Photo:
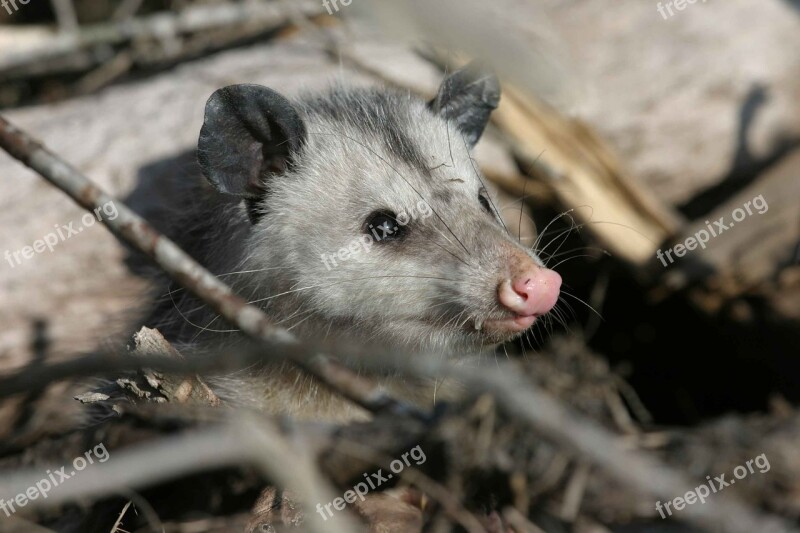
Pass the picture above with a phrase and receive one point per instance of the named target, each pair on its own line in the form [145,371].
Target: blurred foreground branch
[79,49]
[242,441]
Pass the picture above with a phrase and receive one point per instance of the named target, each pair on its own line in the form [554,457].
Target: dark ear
[249,133]
[467,97]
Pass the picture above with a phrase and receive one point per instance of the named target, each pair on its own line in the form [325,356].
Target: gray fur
[365,150]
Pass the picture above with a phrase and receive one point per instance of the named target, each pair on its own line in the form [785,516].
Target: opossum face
[369,212]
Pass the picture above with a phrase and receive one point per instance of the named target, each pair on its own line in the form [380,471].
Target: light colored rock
[669,93]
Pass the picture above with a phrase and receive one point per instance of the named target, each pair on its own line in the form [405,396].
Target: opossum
[359,215]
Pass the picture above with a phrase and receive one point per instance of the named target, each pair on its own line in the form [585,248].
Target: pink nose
[532,293]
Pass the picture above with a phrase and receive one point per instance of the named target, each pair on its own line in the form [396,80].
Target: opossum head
[369,213]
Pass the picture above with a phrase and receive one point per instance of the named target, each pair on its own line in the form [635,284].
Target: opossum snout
[532,292]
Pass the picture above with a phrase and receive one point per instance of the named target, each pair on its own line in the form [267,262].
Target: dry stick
[526,402]
[245,439]
[193,20]
[118,522]
[584,437]
[134,230]
[521,398]
[320,441]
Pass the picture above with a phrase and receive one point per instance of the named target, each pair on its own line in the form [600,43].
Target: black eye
[484,200]
[383,226]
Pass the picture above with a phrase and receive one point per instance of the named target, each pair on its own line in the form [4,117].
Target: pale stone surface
[668,94]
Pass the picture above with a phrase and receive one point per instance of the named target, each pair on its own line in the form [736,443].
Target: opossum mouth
[505,326]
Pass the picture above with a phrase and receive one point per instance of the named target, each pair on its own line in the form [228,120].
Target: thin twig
[118,522]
